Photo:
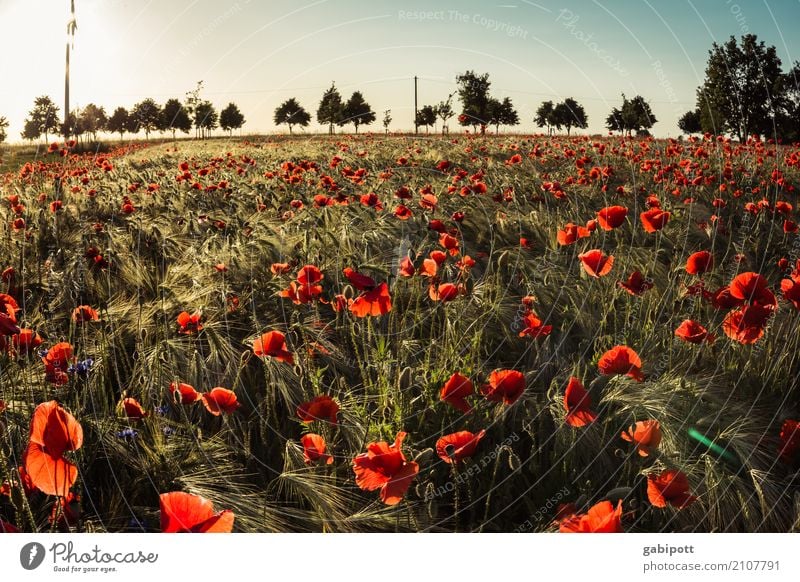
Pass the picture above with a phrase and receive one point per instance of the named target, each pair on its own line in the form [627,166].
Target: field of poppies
[390,333]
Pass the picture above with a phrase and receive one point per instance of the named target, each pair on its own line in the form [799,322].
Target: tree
[119,122]
[231,118]
[192,101]
[445,111]
[473,90]
[744,88]
[426,117]
[73,125]
[331,109]
[357,111]
[569,113]
[291,113]
[502,113]
[45,115]
[387,120]
[31,130]
[93,119]
[147,116]
[634,115]
[3,128]
[690,122]
[545,116]
[174,117]
[205,118]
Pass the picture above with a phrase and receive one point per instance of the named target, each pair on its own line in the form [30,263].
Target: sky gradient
[259,53]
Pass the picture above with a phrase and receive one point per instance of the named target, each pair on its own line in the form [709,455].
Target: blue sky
[258,53]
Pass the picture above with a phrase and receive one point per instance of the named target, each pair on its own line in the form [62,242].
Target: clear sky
[258,53]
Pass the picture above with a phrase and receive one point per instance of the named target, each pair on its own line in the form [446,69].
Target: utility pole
[416,127]
[71,27]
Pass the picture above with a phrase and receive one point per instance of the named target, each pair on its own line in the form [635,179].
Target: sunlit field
[392,333]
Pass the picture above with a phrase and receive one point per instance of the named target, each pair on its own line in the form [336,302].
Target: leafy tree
[120,122]
[73,125]
[387,120]
[3,128]
[175,117]
[45,115]
[545,116]
[291,113]
[690,122]
[357,111]
[331,108]
[192,101]
[93,119]
[205,118]
[231,118]
[426,117]
[147,116]
[502,113]
[788,121]
[445,111]
[473,90]
[569,113]
[744,88]
[31,130]
[635,115]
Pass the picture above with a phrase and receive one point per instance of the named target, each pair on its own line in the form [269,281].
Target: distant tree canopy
[745,91]
[43,117]
[291,113]
[689,122]
[206,118]
[175,117]
[635,115]
[92,120]
[357,111]
[3,128]
[231,118]
[473,90]
[387,120]
[146,116]
[545,116]
[426,117]
[445,111]
[568,114]
[502,113]
[120,122]
[331,109]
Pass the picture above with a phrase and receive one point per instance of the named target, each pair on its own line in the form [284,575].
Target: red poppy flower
[186,513]
[534,327]
[220,400]
[595,263]
[621,360]
[429,268]
[790,440]
[578,404]
[54,431]
[636,284]
[504,386]
[358,280]
[645,435]
[280,268]
[322,408]
[746,324]
[458,446]
[694,333]
[133,409]
[439,257]
[444,292]
[450,243]
[722,299]
[406,268]
[601,518]
[791,291]
[699,263]
[184,393]
[314,449]
[571,233]
[8,315]
[83,314]
[612,217]
[403,212]
[654,219]
[189,324]
[273,344]
[385,467]
[59,355]
[455,392]
[754,288]
[669,487]
[372,303]
[309,275]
